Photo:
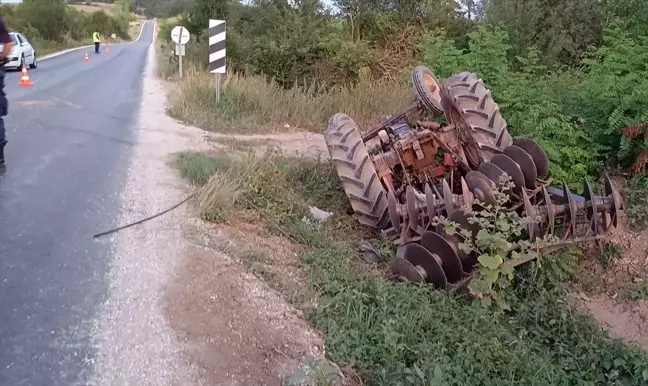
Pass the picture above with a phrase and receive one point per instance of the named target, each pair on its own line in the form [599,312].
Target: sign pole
[180,37]
[180,60]
[218,87]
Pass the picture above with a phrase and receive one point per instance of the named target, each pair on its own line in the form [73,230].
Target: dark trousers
[97,47]
[4,107]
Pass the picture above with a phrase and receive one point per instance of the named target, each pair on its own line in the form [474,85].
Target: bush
[53,24]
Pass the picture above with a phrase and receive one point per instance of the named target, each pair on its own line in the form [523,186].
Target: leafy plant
[498,246]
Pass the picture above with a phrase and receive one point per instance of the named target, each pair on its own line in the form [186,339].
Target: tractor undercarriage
[404,173]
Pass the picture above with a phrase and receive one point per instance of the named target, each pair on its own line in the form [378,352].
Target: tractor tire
[355,168]
[475,110]
[423,79]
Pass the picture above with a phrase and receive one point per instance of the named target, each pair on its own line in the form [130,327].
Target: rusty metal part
[551,212]
[424,266]
[392,208]
[431,202]
[524,160]
[412,210]
[482,187]
[439,247]
[493,172]
[536,152]
[617,201]
[511,168]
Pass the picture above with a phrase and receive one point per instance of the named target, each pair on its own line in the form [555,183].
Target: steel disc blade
[592,210]
[447,198]
[437,245]
[536,152]
[511,168]
[530,211]
[405,271]
[468,261]
[482,187]
[528,167]
[492,171]
[394,217]
[419,256]
[617,201]
[461,218]
[572,209]
[467,195]
[551,211]
[430,202]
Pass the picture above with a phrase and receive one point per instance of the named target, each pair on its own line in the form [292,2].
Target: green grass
[404,334]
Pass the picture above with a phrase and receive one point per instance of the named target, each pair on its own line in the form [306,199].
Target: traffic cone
[24,79]
[107,50]
[86,59]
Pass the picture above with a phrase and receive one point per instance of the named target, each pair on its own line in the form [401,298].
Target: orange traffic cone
[24,79]
[86,59]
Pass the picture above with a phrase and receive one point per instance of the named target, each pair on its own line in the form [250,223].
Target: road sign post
[217,51]
[180,37]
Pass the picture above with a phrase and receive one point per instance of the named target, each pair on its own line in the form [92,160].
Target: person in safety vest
[96,41]
[7,43]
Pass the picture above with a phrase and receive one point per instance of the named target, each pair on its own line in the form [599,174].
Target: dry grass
[252,104]
[95,7]
[218,196]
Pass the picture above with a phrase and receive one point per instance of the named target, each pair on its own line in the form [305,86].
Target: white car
[22,52]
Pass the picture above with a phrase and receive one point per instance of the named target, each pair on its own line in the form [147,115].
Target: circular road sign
[180,35]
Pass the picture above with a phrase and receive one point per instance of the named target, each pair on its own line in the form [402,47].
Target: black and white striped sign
[217,46]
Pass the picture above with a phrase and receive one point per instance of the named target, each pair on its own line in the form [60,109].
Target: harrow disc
[536,152]
[571,210]
[430,202]
[511,168]
[492,171]
[617,201]
[551,212]
[447,197]
[425,267]
[481,186]
[592,210]
[461,218]
[524,160]
[468,261]
[439,247]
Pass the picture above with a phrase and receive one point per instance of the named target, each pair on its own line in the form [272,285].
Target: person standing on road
[96,41]
[5,39]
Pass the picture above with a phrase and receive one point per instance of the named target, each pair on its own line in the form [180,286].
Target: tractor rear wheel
[355,168]
[468,104]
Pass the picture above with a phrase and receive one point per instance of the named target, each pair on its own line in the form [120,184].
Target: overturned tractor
[406,171]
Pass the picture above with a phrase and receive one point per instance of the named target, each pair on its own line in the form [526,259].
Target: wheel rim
[433,86]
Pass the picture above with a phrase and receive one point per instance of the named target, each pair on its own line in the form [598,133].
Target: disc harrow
[427,254]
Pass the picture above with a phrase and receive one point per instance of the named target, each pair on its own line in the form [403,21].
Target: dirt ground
[606,292]
[182,307]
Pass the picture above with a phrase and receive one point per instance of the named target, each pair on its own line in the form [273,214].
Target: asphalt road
[70,136]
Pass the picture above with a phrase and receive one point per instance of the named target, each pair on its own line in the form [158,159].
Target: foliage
[498,245]
[52,23]
[637,202]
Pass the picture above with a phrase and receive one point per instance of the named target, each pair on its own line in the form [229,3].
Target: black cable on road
[145,219]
